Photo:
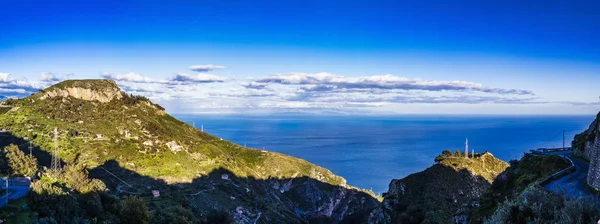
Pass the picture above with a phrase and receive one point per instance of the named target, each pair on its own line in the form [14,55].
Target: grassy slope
[79,121]
[484,165]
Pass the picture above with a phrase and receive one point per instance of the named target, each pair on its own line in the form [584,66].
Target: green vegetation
[135,211]
[16,212]
[536,205]
[19,163]
[482,164]
[519,176]
[154,138]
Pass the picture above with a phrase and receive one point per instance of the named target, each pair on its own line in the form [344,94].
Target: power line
[548,140]
[115,176]
[55,166]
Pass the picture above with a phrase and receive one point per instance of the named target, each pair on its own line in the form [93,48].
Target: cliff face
[438,193]
[100,90]
[587,145]
[583,143]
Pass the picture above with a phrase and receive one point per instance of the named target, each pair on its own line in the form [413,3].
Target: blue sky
[365,57]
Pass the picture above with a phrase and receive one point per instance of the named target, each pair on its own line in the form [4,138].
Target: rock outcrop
[93,90]
[587,145]
[440,192]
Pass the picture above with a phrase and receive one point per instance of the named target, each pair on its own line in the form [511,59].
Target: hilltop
[440,191]
[133,145]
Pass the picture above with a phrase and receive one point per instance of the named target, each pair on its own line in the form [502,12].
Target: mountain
[437,194]
[133,146]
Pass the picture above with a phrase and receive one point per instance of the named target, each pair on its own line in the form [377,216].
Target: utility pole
[30,149]
[202,128]
[563,139]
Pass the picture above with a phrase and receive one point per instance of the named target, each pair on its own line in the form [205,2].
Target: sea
[370,151]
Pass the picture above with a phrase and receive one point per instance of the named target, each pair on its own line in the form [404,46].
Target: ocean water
[370,151]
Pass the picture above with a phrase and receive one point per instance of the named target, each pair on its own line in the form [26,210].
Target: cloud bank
[205,68]
[296,92]
[328,82]
[18,88]
[129,77]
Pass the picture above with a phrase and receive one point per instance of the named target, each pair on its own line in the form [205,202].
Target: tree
[76,176]
[135,211]
[446,153]
[173,215]
[220,217]
[19,163]
[457,153]
[439,158]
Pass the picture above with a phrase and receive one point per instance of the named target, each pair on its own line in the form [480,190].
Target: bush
[446,153]
[51,201]
[173,215]
[535,205]
[135,211]
[76,177]
[218,217]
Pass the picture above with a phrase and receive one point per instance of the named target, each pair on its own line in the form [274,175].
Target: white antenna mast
[467,148]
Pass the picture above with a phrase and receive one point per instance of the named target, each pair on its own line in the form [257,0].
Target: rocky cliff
[438,193]
[99,90]
[583,143]
[587,145]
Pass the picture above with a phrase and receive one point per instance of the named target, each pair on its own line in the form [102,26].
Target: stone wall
[593,147]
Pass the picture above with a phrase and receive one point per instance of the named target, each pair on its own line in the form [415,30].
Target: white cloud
[130,77]
[20,91]
[4,77]
[254,85]
[22,87]
[205,68]
[183,78]
[140,88]
[49,77]
[327,82]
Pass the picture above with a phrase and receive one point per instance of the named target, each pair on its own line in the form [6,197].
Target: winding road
[573,184]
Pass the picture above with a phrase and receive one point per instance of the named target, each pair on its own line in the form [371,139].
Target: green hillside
[96,132]
[134,146]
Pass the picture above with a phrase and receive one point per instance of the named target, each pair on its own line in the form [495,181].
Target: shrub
[219,217]
[535,205]
[173,215]
[76,177]
[135,211]
[446,153]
